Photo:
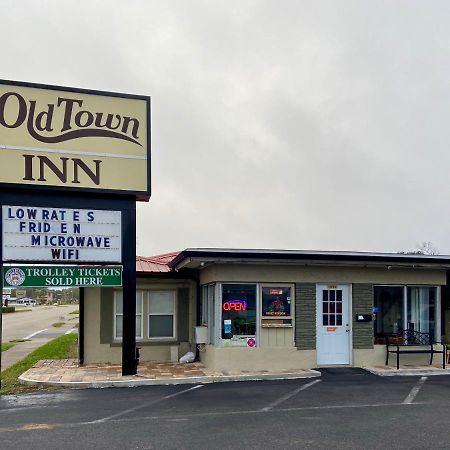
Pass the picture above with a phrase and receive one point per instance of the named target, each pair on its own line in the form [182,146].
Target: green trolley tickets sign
[62,276]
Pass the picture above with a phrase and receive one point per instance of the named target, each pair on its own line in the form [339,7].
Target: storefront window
[276,302]
[421,309]
[388,310]
[394,311]
[239,315]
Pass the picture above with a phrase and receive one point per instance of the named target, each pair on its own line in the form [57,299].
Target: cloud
[295,124]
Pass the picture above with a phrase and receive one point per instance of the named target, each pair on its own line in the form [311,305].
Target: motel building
[271,309]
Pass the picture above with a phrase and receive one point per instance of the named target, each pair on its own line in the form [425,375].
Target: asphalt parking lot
[343,409]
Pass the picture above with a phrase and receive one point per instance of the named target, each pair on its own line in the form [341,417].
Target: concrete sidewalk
[68,373]
[19,351]
[22,349]
[408,370]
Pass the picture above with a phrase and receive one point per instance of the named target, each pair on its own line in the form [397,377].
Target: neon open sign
[235,305]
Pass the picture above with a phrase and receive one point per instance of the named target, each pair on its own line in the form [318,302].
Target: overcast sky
[276,124]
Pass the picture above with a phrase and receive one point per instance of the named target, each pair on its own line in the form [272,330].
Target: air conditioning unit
[201,335]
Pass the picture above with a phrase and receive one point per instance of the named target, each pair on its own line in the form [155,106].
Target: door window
[332,307]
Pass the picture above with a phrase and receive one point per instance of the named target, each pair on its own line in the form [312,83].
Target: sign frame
[139,195]
[69,223]
[60,273]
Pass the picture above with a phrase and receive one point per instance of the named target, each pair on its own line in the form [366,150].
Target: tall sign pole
[129,290]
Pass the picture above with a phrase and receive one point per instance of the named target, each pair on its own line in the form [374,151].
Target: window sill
[152,343]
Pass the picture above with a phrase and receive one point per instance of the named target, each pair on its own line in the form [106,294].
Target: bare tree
[426,248]
[423,248]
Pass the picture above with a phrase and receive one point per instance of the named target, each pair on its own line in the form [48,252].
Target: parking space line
[35,333]
[188,416]
[255,412]
[289,395]
[144,405]
[414,391]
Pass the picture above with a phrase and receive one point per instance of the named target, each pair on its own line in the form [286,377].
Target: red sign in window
[276,291]
[235,305]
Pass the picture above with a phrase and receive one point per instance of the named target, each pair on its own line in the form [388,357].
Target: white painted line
[35,333]
[184,417]
[258,411]
[414,391]
[126,411]
[289,395]
[72,330]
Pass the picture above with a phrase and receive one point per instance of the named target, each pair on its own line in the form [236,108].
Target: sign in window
[239,315]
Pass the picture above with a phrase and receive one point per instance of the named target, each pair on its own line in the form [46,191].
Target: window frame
[115,314]
[174,315]
[437,315]
[291,316]
[219,341]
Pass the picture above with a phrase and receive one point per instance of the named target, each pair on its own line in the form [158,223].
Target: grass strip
[62,347]
[74,312]
[7,346]
[58,324]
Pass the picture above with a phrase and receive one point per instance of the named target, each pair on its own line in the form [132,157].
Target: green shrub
[8,309]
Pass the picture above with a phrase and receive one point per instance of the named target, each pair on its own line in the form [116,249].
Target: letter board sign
[74,139]
[61,235]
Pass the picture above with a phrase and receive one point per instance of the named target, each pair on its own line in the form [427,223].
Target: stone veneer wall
[362,303]
[305,316]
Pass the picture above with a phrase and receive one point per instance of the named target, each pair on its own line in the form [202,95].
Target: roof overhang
[198,258]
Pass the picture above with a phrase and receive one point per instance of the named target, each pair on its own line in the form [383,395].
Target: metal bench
[410,341]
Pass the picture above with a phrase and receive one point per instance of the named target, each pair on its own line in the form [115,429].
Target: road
[344,409]
[22,324]
[34,325]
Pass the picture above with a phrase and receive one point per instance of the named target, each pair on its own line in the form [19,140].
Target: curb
[152,382]
[408,372]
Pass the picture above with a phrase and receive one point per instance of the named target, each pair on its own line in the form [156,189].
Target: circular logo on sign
[15,276]
[251,342]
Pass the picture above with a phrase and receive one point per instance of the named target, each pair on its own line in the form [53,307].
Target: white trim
[71,152]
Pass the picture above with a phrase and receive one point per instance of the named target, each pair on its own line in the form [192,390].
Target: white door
[333,324]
